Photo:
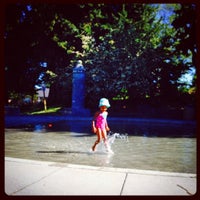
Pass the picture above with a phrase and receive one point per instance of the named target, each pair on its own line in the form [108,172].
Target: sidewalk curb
[74,179]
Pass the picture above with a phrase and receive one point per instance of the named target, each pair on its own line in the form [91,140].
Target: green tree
[129,53]
[186,52]
[27,45]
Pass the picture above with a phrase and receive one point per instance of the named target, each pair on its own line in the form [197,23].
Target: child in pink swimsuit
[99,123]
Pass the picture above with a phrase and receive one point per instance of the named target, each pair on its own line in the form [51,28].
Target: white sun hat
[104,102]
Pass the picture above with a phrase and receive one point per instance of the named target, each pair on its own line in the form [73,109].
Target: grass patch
[52,110]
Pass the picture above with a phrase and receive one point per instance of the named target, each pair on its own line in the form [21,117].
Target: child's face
[103,108]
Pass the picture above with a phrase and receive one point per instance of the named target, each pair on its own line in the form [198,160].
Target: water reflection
[103,159]
[40,128]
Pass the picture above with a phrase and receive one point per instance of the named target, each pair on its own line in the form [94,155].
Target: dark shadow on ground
[61,151]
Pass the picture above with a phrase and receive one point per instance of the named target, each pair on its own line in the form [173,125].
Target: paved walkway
[29,177]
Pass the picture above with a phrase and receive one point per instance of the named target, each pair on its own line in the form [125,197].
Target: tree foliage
[186,50]
[128,51]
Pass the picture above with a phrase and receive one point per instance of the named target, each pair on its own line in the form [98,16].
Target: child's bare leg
[104,135]
[97,141]
[95,144]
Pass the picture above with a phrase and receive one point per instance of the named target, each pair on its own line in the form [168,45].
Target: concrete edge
[108,169]
[111,118]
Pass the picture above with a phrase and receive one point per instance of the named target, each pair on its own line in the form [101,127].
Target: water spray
[113,135]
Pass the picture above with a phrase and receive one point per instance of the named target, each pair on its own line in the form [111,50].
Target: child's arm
[107,128]
[94,130]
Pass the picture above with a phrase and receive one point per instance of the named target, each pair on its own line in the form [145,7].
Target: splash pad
[147,146]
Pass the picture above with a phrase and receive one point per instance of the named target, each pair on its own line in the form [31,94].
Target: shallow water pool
[142,150]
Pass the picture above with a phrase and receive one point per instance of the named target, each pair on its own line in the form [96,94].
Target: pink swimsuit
[101,121]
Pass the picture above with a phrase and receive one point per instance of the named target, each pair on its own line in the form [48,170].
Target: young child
[100,125]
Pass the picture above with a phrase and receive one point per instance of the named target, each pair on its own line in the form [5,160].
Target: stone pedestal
[78,91]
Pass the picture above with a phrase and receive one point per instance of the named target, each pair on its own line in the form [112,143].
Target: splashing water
[110,140]
[112,136]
